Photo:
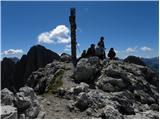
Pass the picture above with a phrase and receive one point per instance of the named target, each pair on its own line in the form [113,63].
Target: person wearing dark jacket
[83,55]
[100,53]
[101,48]
[111,54]
[91,51]
[101,43]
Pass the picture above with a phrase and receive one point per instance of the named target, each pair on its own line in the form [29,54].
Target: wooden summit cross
[72,18]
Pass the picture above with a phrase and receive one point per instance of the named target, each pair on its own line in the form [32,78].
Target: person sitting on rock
[111,54]
[101,42]
[83,55]
[91,51]
[100,52]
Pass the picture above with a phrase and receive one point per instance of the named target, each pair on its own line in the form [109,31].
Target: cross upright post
[72,21]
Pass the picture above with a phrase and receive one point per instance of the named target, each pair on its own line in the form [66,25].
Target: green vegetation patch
[56,81]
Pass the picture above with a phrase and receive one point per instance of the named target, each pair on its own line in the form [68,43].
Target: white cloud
[131,50]
[60,34]
[68,46]
[45,38]
[67,49]
[12,52]
[146,49]
[117,51]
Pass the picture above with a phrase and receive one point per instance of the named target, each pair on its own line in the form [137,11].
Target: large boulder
[7,97]
[109,112]
[91,99]
[109,84]
[42,79]
[27,102]
[22,102]
[87,70]
[65,57]
[8,112]
[125,102]
[25,98]
[82,87]
[83,101]
[144,97]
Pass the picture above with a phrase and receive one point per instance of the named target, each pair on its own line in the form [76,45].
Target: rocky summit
[94,89]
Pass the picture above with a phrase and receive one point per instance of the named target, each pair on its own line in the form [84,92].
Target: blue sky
[130,27]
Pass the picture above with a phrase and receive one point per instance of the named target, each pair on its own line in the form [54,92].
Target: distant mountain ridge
[135,60]
[15,59]
[37,57]
[153,63]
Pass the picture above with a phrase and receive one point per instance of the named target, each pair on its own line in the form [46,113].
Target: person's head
[102,38]
[84,51]
[112,49]
[92,45]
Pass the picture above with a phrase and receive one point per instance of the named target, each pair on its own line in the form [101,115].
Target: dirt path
[56,108]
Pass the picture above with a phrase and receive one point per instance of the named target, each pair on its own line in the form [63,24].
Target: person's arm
[103,45]
[108,54]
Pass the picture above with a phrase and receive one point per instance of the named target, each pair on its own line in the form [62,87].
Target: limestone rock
[22,102]
[9,112]
[25,102]
[155,107]
[83,87]
[41,115]
[91,99]
[109,112]
[7,97]
[42,78]
[82,102]
[22,116]
[86,70]
[110,84]
[65,57]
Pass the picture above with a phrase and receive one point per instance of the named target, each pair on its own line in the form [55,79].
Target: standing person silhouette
[101,48]
[101,42]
